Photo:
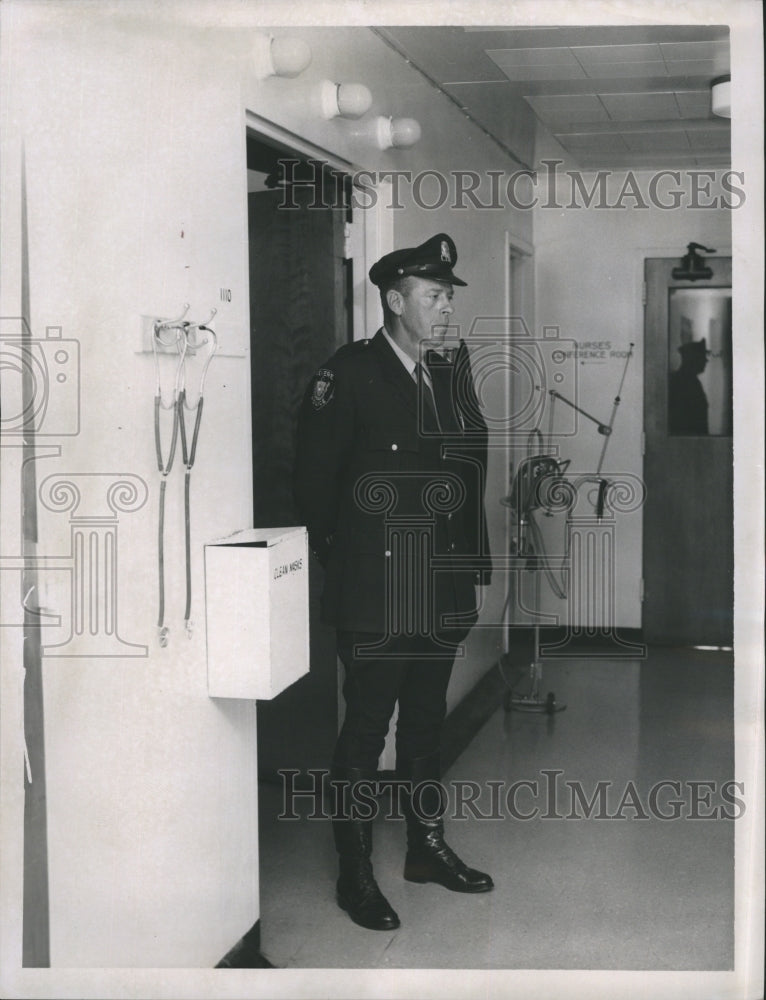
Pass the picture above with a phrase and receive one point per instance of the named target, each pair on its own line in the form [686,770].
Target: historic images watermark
[548,796]
[41,381]
[40,384]
[548,187]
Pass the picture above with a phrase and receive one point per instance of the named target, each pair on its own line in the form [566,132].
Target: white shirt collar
[405,359]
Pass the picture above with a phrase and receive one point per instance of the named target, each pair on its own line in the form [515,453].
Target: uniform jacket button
[388,553]
[394,447]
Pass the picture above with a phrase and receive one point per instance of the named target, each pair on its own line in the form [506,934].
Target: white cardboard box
[257,612]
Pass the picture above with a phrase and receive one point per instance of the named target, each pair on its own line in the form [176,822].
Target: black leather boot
[429,858]
[357,891]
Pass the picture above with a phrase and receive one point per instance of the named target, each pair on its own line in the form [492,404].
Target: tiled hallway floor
[597,893]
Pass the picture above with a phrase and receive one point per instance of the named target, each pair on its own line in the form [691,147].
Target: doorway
[300,312]
[688,464]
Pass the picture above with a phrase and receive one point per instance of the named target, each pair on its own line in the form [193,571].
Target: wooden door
[688,516]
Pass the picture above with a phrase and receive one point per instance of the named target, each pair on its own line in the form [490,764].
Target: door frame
[519,258]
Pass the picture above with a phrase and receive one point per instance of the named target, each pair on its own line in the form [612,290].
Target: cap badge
[323,388]
[446,257]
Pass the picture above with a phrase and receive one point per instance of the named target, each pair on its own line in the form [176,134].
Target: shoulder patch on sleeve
[322,388]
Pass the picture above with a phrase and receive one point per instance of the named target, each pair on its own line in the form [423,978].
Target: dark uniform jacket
[393,502]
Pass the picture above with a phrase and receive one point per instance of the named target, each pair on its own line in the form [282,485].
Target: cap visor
[453,279]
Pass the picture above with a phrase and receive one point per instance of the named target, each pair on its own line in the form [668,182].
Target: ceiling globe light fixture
[345,100]
[720,96]
[283,56]
[400,133]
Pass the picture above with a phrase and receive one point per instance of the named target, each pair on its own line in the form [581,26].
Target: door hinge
[643,443]
[641,589]
[643,293]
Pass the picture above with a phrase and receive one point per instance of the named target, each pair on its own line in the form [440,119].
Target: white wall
[134,133]
[136,203]
[589,266]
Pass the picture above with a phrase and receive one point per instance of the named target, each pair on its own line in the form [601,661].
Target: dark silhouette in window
[687,402]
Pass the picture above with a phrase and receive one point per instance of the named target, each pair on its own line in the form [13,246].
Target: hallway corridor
[629,893]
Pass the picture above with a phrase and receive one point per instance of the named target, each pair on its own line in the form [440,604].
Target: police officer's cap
[433,259]
[694,347]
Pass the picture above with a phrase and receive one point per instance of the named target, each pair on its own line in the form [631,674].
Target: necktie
[442,371]
[426,392]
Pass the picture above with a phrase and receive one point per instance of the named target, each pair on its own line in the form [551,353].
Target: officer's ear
[395,301]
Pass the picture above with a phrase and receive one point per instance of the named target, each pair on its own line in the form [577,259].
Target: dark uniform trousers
[372,688]
[395,513]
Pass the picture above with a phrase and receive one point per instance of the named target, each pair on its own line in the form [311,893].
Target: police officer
[390,470]
[687,401]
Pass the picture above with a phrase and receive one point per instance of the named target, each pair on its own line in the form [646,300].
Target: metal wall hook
[192,333]
[164,324]
[210,318]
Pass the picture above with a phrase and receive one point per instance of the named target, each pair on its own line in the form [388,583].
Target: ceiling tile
[537,64]
[690,68]
[692,50]
[651,161]
[599,142]
[713,161]
[694,103]
[521,37]
[641,107]
[608,85]
[558,109]
[594,55]
[558,55]
[510,31]
[718,139]
[697,58]
[627,70]
[592,35]
[652,142]
[493,29]
[525,74]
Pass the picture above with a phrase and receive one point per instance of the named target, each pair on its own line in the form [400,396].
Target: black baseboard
[246,953]
[563,642]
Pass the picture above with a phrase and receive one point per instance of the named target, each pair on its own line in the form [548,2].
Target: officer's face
[426,307]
